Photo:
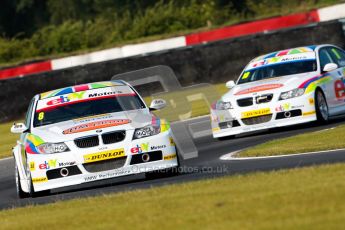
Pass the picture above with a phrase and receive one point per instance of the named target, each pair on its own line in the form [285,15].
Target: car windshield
[87,108]
[277,70]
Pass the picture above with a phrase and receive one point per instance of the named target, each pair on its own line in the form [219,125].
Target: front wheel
[225,138]
[321,107]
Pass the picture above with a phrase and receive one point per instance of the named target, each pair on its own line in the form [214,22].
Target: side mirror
[230,84]
[19,128]
[330,67]
[157,104]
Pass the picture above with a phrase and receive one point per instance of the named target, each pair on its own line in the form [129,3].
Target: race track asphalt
[206,165]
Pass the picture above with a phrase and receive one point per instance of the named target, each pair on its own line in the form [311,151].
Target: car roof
[82,87]
[296,50]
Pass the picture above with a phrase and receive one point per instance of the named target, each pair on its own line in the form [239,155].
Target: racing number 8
[339,89]
[41,116]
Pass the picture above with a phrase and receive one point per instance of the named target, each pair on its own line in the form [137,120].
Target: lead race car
[87,133]
[283,88]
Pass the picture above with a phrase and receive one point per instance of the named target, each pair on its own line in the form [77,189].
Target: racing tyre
[226,138]
[20,193]
[321,107]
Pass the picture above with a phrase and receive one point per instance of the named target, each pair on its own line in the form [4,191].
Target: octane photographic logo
[179,100]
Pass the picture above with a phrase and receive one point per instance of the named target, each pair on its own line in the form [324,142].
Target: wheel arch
[318,115]
[16,151]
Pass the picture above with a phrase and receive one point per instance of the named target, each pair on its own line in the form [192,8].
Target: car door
[338,57]
[329,88]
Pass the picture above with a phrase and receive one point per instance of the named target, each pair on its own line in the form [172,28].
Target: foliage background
[37,29]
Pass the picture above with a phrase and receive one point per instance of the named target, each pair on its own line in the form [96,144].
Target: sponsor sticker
[65,164]
[259,88]
[283,107]
[311,101]
[68,96]
[106,155]
[39,179]
[145,147]
[170,157]
[282,58]
[96,125]
[32,166]
[65,98]
[308,113]
[216,129]
[92,118]
[256,113]
[172,142]
[48,164]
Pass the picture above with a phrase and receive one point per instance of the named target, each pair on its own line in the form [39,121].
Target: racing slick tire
[226,138]
[20,193]
[321,107]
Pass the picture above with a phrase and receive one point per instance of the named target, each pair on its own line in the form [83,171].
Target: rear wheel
[20,193]
[321,107]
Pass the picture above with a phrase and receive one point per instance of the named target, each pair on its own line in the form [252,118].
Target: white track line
[229,156]
[6,159]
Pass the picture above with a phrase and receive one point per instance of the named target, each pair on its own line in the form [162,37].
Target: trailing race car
[283,88]
[87,133]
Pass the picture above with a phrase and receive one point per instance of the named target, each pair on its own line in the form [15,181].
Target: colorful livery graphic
[87,133]
[283,88]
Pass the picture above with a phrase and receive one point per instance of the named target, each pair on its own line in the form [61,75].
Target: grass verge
[307,198]
[7,140]
[327,139]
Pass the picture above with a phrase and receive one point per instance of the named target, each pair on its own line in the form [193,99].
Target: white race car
[87,133]
[283,88]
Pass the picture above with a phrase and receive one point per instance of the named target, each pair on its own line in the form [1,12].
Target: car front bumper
[278,114]
[48,170]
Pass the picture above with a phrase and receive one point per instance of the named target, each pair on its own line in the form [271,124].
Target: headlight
[222,105]
[291,94]
[146,131]
[49,148]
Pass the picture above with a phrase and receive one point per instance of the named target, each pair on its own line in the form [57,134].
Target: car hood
[272,85]
[72,129]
